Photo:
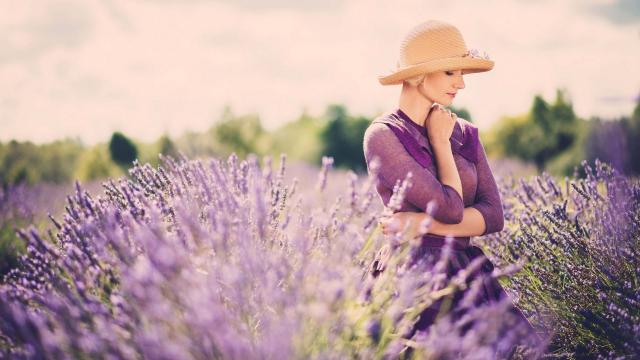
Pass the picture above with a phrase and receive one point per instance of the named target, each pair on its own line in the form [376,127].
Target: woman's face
[439,86]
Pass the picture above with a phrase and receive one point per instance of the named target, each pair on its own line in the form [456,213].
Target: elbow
[499,224]
[496,223]
[450,215]
[457,215]
[499,219]
[493,217]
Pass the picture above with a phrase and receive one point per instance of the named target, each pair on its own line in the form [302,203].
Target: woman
[448,163]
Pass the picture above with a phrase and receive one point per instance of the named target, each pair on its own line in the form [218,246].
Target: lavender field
[249,259]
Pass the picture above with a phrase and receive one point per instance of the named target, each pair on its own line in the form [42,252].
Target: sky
[87,68]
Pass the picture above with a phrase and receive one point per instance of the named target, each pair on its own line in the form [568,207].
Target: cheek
[440,86]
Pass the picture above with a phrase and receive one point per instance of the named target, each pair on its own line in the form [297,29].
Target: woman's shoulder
[469,130]
[379,126]
[377,132]
[465,124]
[468,139]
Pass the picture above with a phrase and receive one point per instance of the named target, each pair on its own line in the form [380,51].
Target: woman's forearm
[447,169]
[472,225]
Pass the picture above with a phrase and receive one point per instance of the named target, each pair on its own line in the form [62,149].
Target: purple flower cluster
[580,240]
[228,259]
[22,205]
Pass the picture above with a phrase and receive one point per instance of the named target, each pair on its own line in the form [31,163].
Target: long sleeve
[395,163]
[487,199]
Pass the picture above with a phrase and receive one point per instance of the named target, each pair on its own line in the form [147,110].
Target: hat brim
[468,66]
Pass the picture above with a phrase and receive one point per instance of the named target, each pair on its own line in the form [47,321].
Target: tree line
[549,135]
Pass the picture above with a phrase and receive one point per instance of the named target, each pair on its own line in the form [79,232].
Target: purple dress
[401,146]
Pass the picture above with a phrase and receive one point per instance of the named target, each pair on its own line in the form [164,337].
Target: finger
[430,111]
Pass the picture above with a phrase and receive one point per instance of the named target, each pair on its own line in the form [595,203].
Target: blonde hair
[416,80]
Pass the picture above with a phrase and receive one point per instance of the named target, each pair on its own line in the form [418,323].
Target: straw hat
[433,46]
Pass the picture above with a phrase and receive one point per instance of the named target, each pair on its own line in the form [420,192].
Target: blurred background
[86,86]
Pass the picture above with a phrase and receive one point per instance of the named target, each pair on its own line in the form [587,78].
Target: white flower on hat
[475,53]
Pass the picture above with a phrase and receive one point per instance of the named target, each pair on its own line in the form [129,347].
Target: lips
[452,94]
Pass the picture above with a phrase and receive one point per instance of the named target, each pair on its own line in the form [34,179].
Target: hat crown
[429,41]
[435,46]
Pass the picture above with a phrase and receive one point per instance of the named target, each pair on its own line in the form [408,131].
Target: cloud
[56,25]
[261,5]
[147,67]
[617,11]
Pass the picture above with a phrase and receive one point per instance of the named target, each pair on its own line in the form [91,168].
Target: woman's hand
[440,123]
[398,221]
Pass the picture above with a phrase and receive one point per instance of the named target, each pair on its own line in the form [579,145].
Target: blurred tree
[568,162]
[554,127]
[299,139]
[96,164]
[342,138]
[239,134]
[546,132]
[122,150]
[194,144]
[25,162]
[59,160]
[462,112]
[19,163]
[167,147]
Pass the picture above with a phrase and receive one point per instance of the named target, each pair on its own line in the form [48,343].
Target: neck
[415,103]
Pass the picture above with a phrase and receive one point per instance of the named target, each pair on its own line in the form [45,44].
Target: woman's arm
[487,200]
[447,170]
[472,225]
[379,141]
[485,216]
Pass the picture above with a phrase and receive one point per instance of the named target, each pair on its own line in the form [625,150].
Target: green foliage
[508,137]
[549,136]
[195,144]
[553,128]
[554,139]
[18,163]
[342,138]
[95,163]
[59,160]
[542,135]
[240,134]
[149,152]
[167,147]
[567,162]
[122,150]
[11,247]
[299,139]
[25,162]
